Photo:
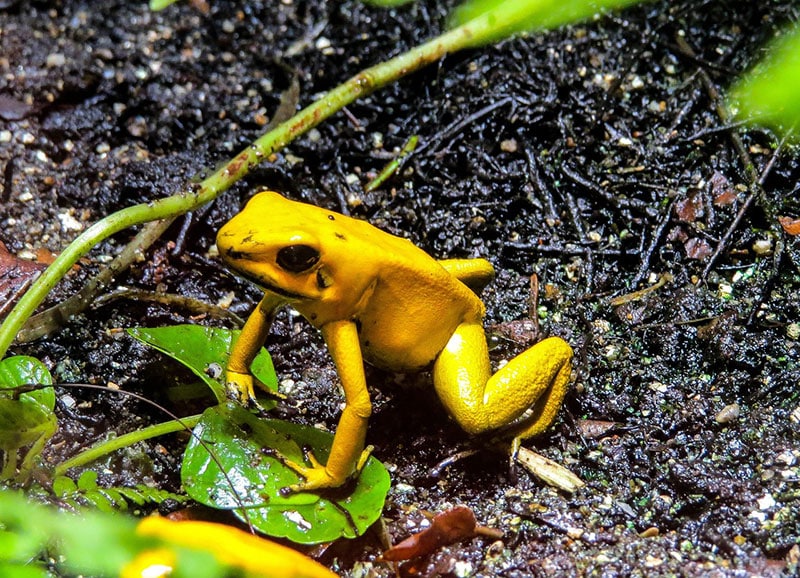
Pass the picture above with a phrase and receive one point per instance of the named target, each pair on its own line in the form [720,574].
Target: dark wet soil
[594,157]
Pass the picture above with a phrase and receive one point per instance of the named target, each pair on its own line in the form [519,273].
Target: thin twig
[755,182]
[644,265]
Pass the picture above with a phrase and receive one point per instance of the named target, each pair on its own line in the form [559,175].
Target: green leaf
[205,350]
[63,486]
[26,420]
[77,537]
[22,571]
[87,492]
[243,475]
[87,481]
[91,544]
[508,17]
[17,547]
[767,94]
[24,370]
[23,424]
[156,5]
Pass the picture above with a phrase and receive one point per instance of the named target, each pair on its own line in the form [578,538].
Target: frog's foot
[239,387]
[318,476]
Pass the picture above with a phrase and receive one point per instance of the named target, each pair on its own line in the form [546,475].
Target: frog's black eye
[297,258]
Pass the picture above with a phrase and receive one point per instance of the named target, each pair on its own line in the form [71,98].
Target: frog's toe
[314,478]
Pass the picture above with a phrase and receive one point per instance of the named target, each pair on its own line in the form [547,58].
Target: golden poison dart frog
[378,298]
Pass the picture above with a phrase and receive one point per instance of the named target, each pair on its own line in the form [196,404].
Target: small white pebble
[786,457]
[766,502]
[462,569]
[55,59]
[226,300]
[25,197]
[509,145]
[314,135]
[69,223]
[5,136]
[725,291]
[762,246]
[728,414]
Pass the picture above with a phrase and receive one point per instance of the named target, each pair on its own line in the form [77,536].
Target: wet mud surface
[594,157]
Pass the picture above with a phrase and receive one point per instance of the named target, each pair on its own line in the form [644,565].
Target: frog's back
[415,305]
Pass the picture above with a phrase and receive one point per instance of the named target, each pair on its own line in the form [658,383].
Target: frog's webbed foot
[318,476]
[239,388]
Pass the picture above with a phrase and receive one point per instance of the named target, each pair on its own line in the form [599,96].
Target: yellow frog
[379,298]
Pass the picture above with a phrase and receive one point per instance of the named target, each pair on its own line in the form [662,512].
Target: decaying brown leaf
[446,528]
[15,276]
[790,225]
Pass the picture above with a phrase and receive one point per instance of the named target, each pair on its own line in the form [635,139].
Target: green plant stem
[101,449]
[475,32]
[47,321]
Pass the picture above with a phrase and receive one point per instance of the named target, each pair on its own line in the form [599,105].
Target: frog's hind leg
[474,273]
[536,379]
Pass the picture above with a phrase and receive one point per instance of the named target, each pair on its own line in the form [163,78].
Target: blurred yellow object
[230,546]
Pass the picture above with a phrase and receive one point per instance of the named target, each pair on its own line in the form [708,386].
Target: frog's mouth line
[264,284]
[279,291]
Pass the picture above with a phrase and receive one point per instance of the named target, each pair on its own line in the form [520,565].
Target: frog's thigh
[479,401]
[474,273]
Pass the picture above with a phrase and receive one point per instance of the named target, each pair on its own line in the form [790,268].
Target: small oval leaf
[245,475]
[205,351]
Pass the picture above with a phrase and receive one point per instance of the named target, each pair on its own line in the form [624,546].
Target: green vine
[487,24]
[108,446]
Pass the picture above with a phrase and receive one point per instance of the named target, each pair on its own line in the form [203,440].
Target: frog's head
[273,241]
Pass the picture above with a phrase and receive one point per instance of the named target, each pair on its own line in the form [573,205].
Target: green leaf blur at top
[156,5]
[509,17]
[768,94]
[205,350]
[39,541]
[27,419]
[245,475]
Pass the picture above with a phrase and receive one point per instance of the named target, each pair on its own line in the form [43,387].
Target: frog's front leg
[238,379]
[347,455]
[479,401]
